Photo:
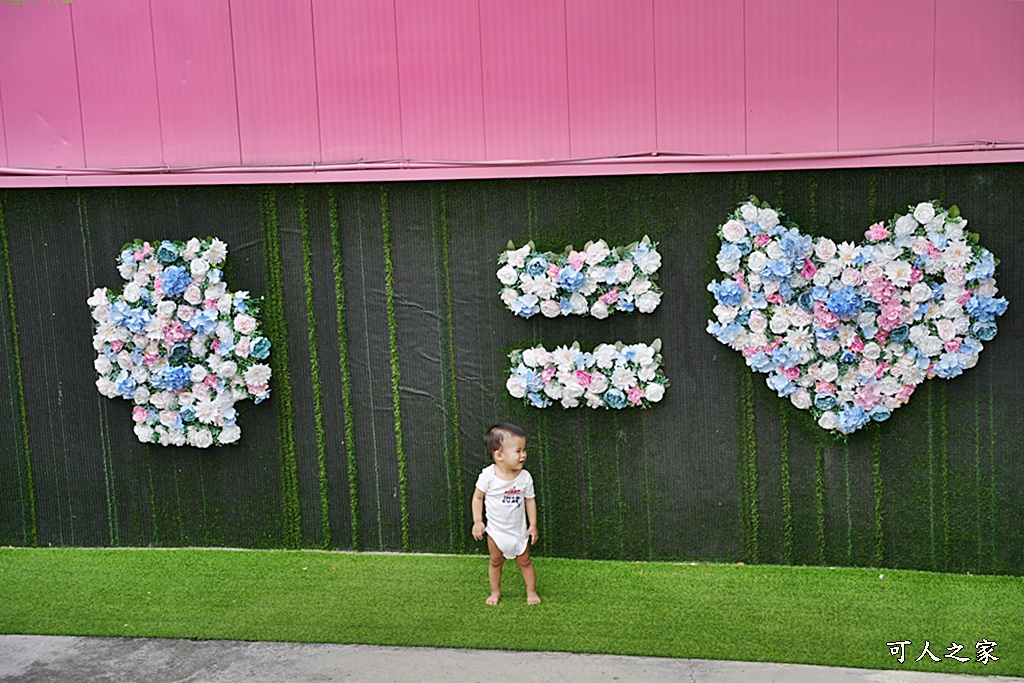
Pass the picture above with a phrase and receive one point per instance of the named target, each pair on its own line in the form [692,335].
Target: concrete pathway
[46,659]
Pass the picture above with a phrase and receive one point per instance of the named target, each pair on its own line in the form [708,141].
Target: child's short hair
[497,433]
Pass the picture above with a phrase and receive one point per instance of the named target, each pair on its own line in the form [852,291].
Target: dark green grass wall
[389,363]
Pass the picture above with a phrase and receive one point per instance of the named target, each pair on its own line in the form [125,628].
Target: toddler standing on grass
[506,490]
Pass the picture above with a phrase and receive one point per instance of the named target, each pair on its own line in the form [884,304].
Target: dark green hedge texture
[389,361]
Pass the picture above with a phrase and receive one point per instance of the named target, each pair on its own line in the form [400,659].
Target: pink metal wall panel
[886,73]
[357,79]
[276,80]
[3,131]
[611,77]
[117,80]
[979,70]
[42,122]
[526,99]
[699,62]
[196,82]
[440,79]
[791,74]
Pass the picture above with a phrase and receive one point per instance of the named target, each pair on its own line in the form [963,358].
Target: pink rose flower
[809,269]
[548,374]
[610,296]
[877,232]
[857,345]
[245,324]
[635,395]
[577,259]
[762,239]
[583,378]
[139,414]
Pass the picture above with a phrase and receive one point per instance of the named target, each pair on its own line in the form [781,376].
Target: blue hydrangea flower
[614,398]
[175,280]
[727,293]
[844,302]
[851,419]
[571,280]
[538,265]
[259,348]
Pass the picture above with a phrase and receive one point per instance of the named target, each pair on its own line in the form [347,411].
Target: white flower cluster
[611,376]
[178,344]
[596,281]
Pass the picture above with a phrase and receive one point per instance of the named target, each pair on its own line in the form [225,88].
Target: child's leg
[494,571]
[529,577]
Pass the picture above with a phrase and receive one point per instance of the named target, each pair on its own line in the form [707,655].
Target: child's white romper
[506,509]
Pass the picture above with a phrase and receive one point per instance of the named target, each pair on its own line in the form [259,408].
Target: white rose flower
[828,347]
[924,212]
[654,392]
[774,250]
[756,261]
[106,387]
[509,296]
[597,252]
[955,229]
[198,373]
[647,373]
[648,301]
[624,271]
[230,434]
[126,271]
[872,350]
[594,400]
[199,438]
[649,262]
[132,292]
[905,225]
[191,249]
[144,432]
[725,314]
[931,346]
[245,324]
[600,310]
[920,292]
[851,276]
[550,309]
[605,355]
[569,401]
[638,286]
[508,275]
[103,365]
[822,278]
[825,250]
[530,359]
[801,399]
[779,323]
[749,212]
[768,218]
[206,412]
[578,302]
[193,294]
[141,396]
[200,267]
[517,257]
[553,390]
[828,420]
[758,322]
[734,230]
[946,329]
[599,384]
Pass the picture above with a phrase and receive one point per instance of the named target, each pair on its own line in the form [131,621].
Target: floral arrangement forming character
[611,376]
[178,344]
[596,281]
[849,331]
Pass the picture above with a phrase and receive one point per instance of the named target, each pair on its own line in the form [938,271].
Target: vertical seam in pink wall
[483,87]
[316,83]
[398,78]
[935,24]
[78,87]
[746,126]
[234,79]
[839,53]
[3,128]
[654,65]
[156,85]
[568,91]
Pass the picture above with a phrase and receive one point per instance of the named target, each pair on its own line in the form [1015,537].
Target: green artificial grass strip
[748,464]
[389,290]
[346,373]
[819,498]
[787,500]
[314,373]
[277,331]
[808,615]
[878,486]
[30,527]
[449,394]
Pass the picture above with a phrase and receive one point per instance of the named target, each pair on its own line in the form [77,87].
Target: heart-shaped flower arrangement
[848,331]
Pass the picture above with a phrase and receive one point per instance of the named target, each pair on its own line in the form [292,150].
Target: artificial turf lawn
[812,615]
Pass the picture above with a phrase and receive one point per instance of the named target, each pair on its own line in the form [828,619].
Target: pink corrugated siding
[979,70]
[699,52]
[395,85]
[885,73]
[357,80]
[117,81]
[275,78]
[611,77]
[525,87]
[194,67]
[440,79]
[791,75]
[42,123]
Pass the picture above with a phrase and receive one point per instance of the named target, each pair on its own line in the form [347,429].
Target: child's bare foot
[494,598]
[532,599]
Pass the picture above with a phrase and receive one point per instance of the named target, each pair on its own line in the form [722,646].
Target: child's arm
[478,514]
[531,519]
